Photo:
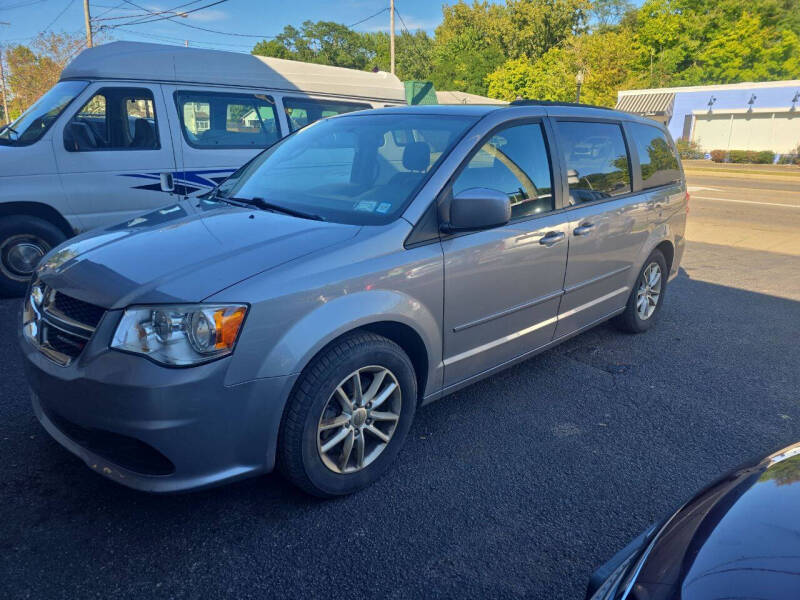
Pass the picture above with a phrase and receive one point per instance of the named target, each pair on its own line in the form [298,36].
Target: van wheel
[647,296]
[24,240]
[348,415]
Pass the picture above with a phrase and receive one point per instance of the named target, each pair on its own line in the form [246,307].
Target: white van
[131,124]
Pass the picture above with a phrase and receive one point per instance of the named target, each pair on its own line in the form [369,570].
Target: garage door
[748,131]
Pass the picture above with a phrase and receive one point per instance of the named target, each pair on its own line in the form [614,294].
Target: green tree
[748,51]
[413,53]
[606,59]
[467,46]
[321,42]
[605,14]
[476,39]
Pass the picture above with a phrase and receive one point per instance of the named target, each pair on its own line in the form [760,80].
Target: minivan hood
[182,253]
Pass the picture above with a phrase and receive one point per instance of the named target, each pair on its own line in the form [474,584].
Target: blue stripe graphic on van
[186,182]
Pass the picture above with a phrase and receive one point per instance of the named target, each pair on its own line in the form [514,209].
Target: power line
[21,4]
[172,16]
[61,14]
[412,38]
[147,12]
[172,19]
[176,40]
[380,12]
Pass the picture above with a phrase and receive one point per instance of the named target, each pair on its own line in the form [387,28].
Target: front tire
[348,415]
[647,296]
[24,240]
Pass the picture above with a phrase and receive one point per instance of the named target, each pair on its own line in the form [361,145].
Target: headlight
[180,335]
[31,309]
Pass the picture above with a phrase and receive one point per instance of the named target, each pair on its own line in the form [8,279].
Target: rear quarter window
[658,163]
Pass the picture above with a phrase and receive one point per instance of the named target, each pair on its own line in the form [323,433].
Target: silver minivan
[298,314]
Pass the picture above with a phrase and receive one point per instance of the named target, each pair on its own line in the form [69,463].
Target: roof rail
[552,103]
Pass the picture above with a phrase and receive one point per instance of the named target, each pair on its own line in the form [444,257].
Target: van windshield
[358,169]
[34,122]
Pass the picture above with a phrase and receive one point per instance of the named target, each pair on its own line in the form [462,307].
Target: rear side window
[304,111]
[213,120]
[513,161]
[657,160]
[114,119]
[596,158]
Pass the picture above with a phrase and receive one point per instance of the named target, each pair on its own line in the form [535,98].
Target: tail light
[688,196]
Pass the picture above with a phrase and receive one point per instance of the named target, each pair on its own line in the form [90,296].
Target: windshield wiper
[265,205]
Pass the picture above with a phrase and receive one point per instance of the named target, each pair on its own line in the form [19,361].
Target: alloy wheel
[649,291]
[359,419]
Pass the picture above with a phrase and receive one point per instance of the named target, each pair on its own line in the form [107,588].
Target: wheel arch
[39,210]
[668,250]
[389,313]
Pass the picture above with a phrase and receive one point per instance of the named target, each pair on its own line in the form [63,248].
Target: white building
[738,116]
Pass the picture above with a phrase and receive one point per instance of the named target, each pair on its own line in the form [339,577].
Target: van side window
[657,160]
[597,160]
[304,111]
[114,119]
[513,161]
[213,120]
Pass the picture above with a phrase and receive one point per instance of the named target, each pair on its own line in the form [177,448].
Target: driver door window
[513,161]
[114,119]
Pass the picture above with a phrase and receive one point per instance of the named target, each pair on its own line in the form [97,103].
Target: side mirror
[478,208]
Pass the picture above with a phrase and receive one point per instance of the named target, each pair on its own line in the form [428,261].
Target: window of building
[597,160]
[304,111]
[214,120]
[657,160]
[114,119]
[514,161]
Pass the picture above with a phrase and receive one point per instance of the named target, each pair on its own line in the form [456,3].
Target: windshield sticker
[366,206]
[383,208]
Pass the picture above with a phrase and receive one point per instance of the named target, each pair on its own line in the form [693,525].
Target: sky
[256,18]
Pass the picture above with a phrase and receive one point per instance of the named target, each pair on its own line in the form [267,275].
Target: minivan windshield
[34,122]
[358,169]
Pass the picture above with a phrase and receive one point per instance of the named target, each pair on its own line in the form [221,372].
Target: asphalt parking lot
[519,485]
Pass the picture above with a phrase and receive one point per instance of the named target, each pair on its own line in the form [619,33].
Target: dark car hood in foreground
[739,538]
[182,253]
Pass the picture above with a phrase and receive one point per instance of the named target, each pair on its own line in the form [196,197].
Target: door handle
[551,237]
[167,182]
[584,229]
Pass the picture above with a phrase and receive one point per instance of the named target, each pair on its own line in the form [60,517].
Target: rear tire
[23,241]
[348,415]
[647,296]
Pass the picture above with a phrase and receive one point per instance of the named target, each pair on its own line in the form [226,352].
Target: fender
[306,337]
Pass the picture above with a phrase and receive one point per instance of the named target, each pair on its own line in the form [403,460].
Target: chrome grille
[59,325]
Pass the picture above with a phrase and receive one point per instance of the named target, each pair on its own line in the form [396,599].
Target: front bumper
[153,428]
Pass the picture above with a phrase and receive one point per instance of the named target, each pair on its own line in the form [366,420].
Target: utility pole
[391,33]
[6,117]
[87,17]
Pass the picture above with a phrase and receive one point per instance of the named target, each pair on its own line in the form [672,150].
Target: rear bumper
[157,429]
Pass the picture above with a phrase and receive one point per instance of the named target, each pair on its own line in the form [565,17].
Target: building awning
[647,104]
